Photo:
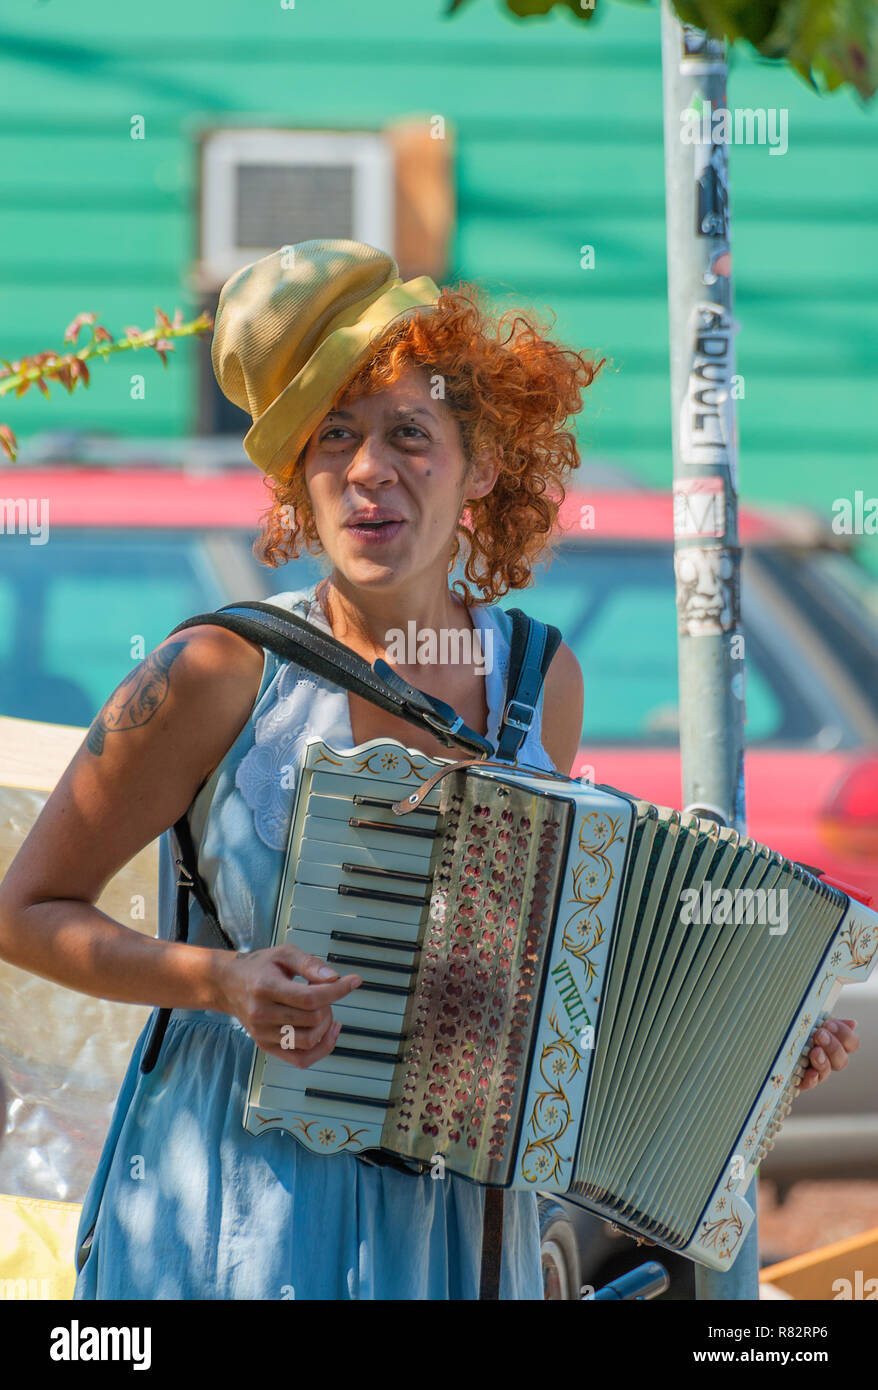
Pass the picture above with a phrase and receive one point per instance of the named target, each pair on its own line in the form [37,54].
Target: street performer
[400,427]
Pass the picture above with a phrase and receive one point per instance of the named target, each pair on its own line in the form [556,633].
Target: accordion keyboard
[362,887]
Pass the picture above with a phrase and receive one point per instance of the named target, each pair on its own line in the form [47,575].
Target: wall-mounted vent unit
[262,189]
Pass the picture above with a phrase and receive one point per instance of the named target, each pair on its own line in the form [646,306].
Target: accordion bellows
[564,988]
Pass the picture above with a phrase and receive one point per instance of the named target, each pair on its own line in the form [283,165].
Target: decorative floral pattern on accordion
[550,1118]
[379,761]
[592,877]
[573,979]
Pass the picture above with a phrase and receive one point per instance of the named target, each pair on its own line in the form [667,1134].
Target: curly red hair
[511,390]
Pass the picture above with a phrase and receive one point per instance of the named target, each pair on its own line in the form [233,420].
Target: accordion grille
[498,869]
[693,1015]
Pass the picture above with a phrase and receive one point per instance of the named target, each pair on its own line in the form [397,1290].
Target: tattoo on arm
[136,698]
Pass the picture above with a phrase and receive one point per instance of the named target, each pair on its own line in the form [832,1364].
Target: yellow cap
[293,327]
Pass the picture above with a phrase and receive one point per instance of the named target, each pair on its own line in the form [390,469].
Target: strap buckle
[526,719]
[188,881]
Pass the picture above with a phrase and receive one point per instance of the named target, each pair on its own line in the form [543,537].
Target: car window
[839,595]
[854,574]
[7,620]
[865,562]
[73,609]
[615,606]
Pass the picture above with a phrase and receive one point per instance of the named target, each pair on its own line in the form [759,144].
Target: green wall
[558,144]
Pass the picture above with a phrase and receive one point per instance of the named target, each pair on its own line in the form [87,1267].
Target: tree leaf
[835,39]
[8,442]
[72,331]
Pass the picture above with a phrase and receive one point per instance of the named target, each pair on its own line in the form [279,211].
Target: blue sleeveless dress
[185,1204]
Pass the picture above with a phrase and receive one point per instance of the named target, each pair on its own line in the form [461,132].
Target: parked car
[134,551]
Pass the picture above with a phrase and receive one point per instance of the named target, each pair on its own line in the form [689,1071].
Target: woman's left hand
[831,1045]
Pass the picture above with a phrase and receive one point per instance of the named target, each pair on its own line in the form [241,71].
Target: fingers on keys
[325,984]
[309,1050]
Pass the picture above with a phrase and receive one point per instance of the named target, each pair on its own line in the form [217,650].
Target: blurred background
[148,154]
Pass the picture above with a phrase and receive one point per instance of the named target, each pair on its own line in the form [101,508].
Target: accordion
[556,977]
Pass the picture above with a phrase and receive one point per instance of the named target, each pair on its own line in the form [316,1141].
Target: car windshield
[838,597]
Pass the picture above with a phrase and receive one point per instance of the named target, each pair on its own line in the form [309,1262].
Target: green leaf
[830,43]
[524,9]
[837,40]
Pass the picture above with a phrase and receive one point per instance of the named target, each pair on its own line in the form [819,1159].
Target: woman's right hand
[284,997]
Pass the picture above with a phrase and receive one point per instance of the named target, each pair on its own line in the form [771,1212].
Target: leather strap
[532,647]
[492,1244]
[299,641]
[189,881]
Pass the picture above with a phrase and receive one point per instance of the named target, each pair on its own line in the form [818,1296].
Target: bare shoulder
[565,672]
[178,711]
[218,653]
[563,703]
[199,669]
[221,672]
[218,646]
[152,745]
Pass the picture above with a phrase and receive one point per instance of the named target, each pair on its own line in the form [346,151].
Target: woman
[395,421]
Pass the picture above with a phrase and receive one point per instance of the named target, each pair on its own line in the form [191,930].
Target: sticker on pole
[699,507]
[708,596]
[700,53]
[707,413]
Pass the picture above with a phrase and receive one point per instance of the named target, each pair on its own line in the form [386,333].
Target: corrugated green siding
[559,143]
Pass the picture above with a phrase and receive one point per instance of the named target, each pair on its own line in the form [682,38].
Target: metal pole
[704,389]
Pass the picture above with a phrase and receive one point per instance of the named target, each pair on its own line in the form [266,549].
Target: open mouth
[375,530]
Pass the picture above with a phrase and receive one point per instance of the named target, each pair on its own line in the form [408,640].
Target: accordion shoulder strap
[492,1244]
[189,880]
[297,640]
[532,646]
